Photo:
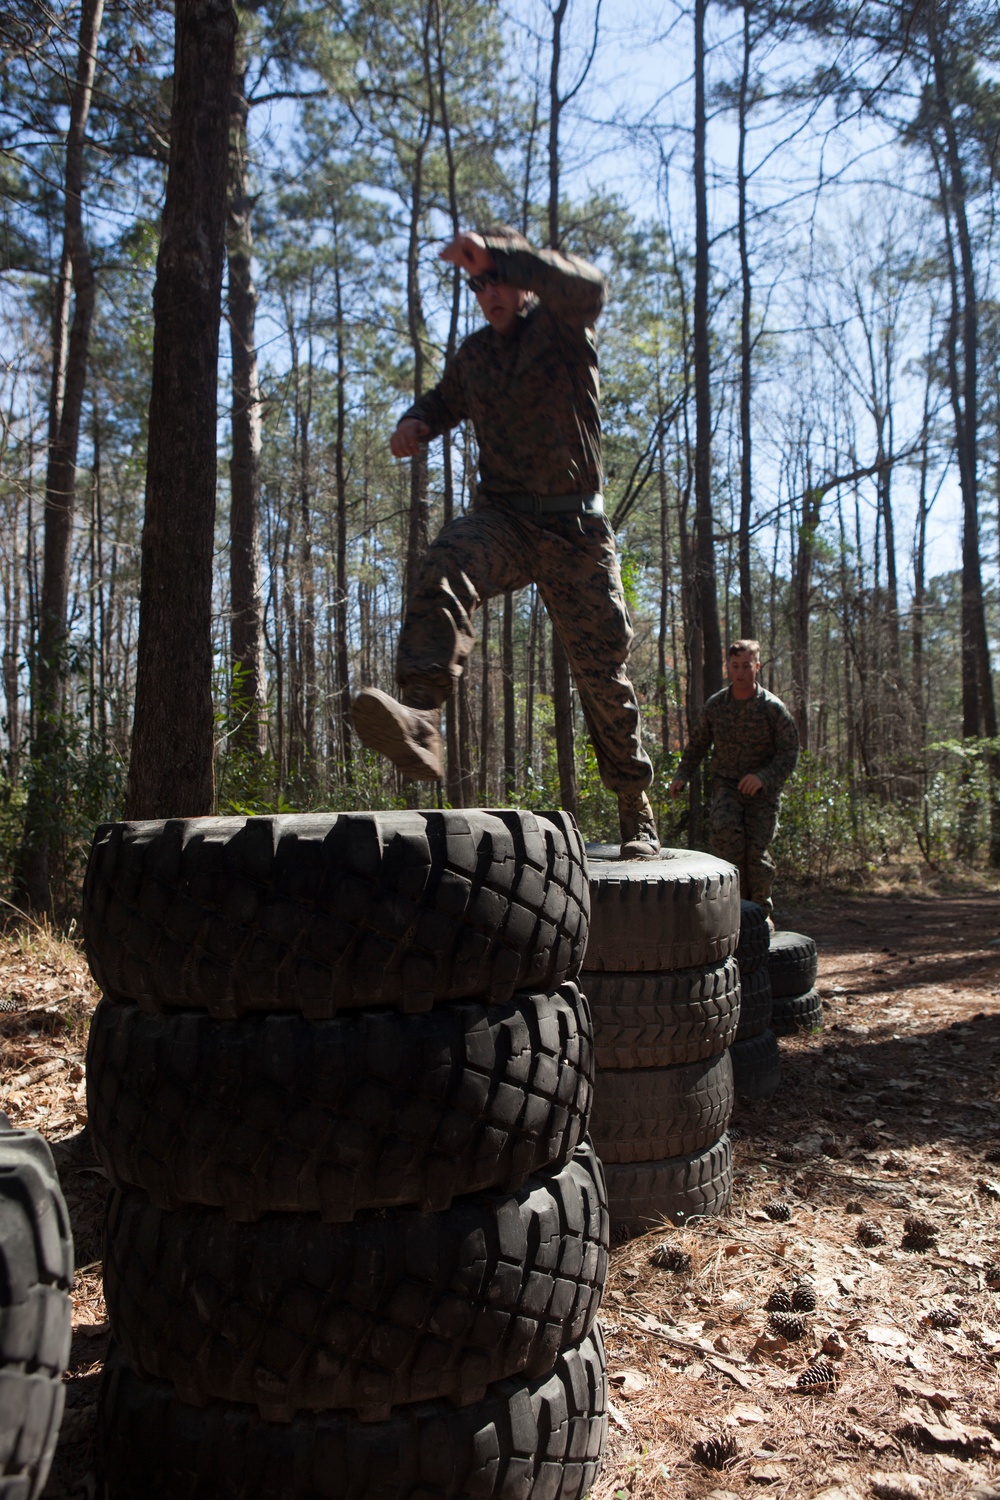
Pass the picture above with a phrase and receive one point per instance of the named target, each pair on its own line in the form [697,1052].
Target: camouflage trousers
[573,561]
[740,829]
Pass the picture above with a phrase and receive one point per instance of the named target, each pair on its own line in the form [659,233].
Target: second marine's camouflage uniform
[750,736]
[533,396]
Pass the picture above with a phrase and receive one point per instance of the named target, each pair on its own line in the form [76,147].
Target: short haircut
[512,238]
[751,647]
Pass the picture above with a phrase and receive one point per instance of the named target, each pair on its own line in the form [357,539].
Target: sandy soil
[907,1056]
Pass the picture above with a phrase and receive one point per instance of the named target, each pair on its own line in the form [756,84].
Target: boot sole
[377,719]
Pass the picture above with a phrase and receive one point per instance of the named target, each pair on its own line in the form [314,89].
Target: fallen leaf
[767,1473]
[939,1398]
[618,1418]
[768,1344]
[745,1413]
[629,1383]
[876,1333]
[886,1485]
[726,1368]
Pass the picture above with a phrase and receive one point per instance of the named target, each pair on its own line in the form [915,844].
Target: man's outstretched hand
[409,437]
[677,786]
[471,252]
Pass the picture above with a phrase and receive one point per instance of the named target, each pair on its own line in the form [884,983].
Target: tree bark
[342,677]
[509,706]
[170,774]
[248,694]
[746,347]
[562,689]
[70,346]
[704,570]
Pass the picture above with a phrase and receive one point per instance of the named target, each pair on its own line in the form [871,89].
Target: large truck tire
[755,937]
[756,1066]
[36,1273]
[652,1113]
[319,913]
[797,1013]
[372,1109]
[540,1438]
[292,1314]
[755,1004]
[792,963]
[681,911]
[660,1020]
[644,1194]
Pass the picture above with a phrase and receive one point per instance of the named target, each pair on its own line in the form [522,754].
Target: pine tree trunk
[509,706]
[170,774]
[746,348]
[248,729]
[704,569]
[70,347]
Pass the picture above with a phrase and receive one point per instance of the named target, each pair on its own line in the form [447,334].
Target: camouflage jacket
[757,735]
[533,395]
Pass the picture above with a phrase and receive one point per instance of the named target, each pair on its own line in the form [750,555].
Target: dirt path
[911,987]
[908,1053]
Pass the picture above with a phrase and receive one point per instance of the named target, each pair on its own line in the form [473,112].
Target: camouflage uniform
[757,736]
[534,399]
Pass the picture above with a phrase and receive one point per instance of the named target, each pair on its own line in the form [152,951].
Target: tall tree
[171,770]
[248,694]
[705,589]
[70,345]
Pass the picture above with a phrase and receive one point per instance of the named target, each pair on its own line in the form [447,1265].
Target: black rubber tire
[324,912]
[792,964]
[292,1314]
[681,911]
[371,1109]
[660,1020]
[36,1272]
[756,1066]
[755,1004]
[648,1114]
[755,938]
[797,1013]
[648,1193]
[541,1438]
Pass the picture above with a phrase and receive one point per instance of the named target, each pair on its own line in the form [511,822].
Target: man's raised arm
[571,288]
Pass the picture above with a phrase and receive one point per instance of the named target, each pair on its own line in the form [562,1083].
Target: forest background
[795,207]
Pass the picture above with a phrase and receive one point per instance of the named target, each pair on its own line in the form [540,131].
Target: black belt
[553,505]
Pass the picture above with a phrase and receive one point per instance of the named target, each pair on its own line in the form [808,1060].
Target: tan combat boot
[409,737]
[638,827]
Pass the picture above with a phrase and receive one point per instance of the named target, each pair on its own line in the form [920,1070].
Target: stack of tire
[792,966]
[664,990]
[36,1273]
[755,1056]
[340,1078]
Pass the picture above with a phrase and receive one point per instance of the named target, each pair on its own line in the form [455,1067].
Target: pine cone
[778,1211]
[830,1146]
[993,1156]
[869,1233]
[992,1274]
[918,1234]
[853,1206]
[804,1298]
[818,1377]
[779,1301]
[737,1133]
[789,1325]
[868,1139]
[715,1452]
[670,1258]
[787,1153]
[942,1317]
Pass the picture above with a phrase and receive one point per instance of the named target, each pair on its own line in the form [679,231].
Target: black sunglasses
[480,283]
